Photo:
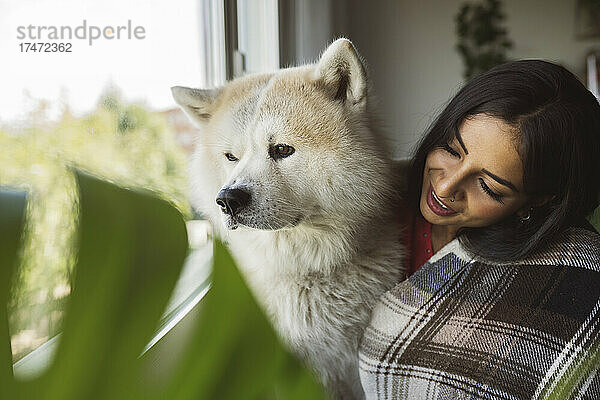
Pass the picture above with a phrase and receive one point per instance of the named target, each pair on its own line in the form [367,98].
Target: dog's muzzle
[232,200]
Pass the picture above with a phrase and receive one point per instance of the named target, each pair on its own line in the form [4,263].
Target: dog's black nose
[231,200]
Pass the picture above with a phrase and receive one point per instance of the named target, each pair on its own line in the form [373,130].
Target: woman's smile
[437,205]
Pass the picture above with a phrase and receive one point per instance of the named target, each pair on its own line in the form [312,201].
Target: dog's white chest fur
[320,301]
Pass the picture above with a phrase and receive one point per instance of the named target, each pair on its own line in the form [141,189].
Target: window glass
[104,105]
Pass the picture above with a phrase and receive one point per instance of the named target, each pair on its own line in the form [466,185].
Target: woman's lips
[437,206]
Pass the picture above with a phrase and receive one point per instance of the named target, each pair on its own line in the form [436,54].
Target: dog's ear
[197,103]
[342,72]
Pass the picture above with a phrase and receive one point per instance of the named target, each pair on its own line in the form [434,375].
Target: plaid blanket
[463,327]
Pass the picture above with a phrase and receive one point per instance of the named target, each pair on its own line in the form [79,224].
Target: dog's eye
[281,151]
[231,157]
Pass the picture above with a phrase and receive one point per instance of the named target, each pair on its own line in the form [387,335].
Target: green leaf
[565,384]
[12,212]
[595,218]
[236,354]
[131,249]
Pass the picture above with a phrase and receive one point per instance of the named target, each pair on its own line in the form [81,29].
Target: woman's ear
[541,201]
[533,204]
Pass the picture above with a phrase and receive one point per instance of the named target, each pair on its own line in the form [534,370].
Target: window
[107,107]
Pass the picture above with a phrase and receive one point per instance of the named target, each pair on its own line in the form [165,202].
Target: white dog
[293,174]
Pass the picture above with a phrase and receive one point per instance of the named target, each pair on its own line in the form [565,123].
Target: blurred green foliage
[12,218]
[482,40]
[595,218]
[568,382]
[125,143]
[131,249]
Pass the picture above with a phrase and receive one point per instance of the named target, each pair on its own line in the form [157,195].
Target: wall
[409,47]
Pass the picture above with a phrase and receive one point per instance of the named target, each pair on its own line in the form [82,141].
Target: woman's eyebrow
[504,182]
[460,141]
[500,180]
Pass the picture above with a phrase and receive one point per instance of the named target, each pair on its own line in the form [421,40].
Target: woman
[508,306]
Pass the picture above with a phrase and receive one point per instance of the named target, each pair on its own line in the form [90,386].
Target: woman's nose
[450,185]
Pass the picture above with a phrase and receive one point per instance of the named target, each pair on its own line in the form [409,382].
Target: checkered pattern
[465,328]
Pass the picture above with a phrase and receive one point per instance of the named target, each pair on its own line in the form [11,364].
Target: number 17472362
[45,47]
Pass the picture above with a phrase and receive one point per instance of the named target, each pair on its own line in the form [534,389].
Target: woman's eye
[231,157]
[489,191]
[450,150]
[281,151]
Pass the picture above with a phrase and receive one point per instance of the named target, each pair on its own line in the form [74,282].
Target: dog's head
[276,150]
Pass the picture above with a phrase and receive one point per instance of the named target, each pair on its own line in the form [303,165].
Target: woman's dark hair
[558,122]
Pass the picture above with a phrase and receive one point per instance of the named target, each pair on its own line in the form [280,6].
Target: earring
[526,217]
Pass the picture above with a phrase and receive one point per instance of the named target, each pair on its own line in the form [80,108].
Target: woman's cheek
[485,214]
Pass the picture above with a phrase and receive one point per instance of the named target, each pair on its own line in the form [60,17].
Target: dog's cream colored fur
[320,241]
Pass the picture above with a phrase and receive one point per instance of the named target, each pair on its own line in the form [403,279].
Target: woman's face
[484,176]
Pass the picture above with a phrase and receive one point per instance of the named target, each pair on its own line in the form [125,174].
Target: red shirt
[417,240]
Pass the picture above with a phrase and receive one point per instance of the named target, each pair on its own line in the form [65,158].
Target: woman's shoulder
[575,246]
[468,309]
